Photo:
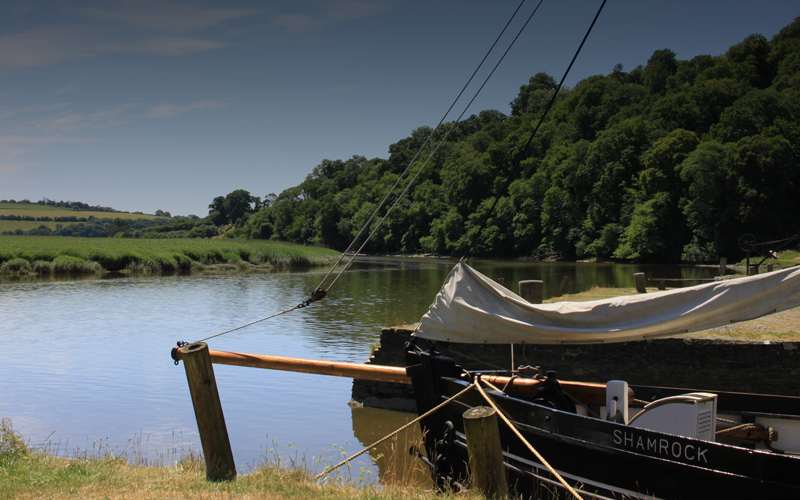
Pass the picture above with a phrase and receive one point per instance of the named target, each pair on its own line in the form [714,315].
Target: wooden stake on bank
[208,412]
[532,291]
[487,472]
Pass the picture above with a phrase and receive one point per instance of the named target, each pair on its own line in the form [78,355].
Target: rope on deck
[525,441]
[376,443]
[477,386]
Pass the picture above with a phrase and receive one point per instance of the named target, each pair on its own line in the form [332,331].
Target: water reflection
[88,360]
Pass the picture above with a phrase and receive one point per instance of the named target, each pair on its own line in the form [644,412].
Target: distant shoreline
[58,255]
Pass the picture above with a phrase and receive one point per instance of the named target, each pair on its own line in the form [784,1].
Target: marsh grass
[42,255]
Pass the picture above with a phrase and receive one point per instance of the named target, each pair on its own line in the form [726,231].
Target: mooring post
[487,470]
[208,412]
[532,291]
[561,286]
[638,281]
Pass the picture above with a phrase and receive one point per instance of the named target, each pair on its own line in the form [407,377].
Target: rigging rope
[474,385]
[525,441]
[376,443]
[521,155]
[320,292]
[427,141]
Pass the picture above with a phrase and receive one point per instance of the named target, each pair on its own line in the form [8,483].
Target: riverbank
[30,474]
[50,255]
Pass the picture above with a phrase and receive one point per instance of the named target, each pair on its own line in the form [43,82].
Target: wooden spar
[340,369]
[587,392]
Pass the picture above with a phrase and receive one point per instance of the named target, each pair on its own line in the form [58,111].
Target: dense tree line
[673,160]
[72,205]
[102,228]
[29,218]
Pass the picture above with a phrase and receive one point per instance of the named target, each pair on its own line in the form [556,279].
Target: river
[85,366]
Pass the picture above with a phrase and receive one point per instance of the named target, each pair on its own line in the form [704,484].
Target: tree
[660,67]
[229,209]
[534,97]
[117,226]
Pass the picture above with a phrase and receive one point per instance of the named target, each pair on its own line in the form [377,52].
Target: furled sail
[472,308]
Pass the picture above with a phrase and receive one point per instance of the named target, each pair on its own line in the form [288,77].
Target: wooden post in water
[638,281]
[532,291]
[561,286]
[487,471]
[723,266]
[208,412]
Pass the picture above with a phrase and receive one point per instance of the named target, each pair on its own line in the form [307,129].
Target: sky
[166,104]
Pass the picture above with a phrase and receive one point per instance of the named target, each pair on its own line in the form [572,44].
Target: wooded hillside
[673,160]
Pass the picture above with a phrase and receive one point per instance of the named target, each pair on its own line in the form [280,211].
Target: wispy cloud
[132,26]
[69,121]
[9,168]
[75,84]
[14,144]
[301,18]
[12,147]
[167,29]
[166,18]
[170,110]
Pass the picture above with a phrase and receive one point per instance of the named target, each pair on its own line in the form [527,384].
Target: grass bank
[29,474]
[41,255]
[781,327]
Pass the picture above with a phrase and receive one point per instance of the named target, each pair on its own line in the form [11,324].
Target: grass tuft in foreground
[33,474]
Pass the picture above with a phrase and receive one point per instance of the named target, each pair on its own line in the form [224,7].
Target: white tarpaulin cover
[472,308]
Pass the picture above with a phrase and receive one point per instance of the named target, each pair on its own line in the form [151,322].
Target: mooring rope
[473,385]
[321,291]
[427,141]
[525,441]
[513,172]
[298,306]
[401,429]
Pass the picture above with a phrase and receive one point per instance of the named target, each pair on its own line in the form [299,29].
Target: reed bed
[42,255]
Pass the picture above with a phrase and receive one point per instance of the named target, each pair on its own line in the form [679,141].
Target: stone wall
[738,366]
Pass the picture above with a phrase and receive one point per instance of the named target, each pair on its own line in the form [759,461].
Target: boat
[596,440]
[613,440]
[609,440]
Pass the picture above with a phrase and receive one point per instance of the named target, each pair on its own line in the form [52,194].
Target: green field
[57,254]
[36,210]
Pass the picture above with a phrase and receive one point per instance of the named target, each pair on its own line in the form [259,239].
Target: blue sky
[165,104]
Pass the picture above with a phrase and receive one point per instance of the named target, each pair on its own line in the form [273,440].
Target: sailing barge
[609,440]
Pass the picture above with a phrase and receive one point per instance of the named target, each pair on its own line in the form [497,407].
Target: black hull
[597,456]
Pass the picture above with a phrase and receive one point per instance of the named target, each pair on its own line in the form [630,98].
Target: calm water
[85,366]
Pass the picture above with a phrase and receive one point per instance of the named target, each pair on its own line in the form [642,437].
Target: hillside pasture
[35,210]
